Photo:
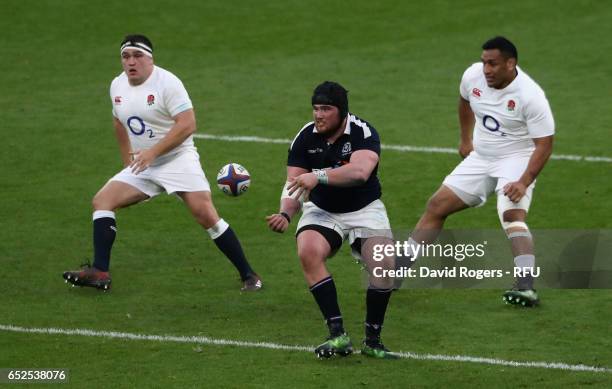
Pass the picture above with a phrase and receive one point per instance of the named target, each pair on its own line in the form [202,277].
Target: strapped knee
[513,229]
[516,229]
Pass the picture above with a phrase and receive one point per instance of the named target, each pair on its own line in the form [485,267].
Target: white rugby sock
[525,261]
[525,264]
[414,249]
[218,229]
[101,214]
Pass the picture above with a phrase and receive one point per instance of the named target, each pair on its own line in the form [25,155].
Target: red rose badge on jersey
[511,105]
[476,92]
[151,100]
[117,100]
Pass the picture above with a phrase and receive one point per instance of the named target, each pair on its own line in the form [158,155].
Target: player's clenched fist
[277,222]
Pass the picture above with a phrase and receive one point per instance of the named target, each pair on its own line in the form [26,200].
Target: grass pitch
[250,69]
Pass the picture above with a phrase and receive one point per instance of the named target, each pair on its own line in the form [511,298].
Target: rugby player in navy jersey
[333,161]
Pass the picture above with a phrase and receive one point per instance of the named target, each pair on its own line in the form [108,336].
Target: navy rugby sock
[228,243]
[104,232]
[376,306]
[325,295]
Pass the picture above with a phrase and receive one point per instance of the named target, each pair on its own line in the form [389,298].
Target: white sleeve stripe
[181,108]
[298,134]
[366,130]
[543,134]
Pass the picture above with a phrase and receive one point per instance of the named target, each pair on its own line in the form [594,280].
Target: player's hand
[465,148]
[277,223]
[515,191]
[302,183]
[141,160]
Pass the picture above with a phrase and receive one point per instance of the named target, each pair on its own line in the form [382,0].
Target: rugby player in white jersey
[507,130]
[154,121]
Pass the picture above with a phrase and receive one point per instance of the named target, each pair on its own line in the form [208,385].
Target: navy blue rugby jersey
[310,150]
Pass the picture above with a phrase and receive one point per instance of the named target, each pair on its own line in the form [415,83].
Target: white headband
[137,46]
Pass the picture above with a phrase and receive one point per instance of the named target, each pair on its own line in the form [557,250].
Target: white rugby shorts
[182,173]
[477,176]
[369,221]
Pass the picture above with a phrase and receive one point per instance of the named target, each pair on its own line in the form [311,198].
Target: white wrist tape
[285,194]
[321,176]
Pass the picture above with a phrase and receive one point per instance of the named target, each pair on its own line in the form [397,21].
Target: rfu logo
[346,149]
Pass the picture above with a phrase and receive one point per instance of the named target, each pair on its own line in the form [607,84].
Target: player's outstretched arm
[290,203]
[356,172]
[543,149]
[466,122]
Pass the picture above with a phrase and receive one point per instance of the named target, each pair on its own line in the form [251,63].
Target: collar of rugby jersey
[512,86]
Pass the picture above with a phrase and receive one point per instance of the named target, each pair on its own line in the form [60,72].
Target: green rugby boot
[340,345]
[522,297]
[375,349]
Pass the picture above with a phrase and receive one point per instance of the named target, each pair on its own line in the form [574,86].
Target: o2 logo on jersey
[491,124]
[137,126]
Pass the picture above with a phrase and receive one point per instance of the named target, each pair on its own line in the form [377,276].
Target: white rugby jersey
[506,119]
[146,110]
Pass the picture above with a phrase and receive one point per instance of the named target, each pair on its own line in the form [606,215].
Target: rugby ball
[233,179]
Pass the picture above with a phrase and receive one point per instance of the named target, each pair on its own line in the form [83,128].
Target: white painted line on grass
[275,346]
[400,148]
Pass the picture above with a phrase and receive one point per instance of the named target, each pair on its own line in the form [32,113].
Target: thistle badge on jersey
[346,149]
[150,99]
[511,105]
